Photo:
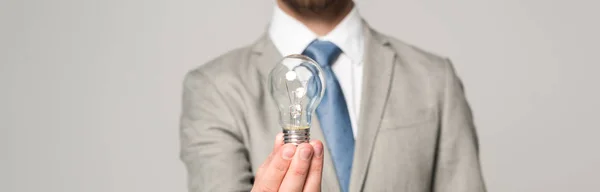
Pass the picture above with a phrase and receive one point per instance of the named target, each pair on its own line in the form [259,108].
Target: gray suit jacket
[415,134]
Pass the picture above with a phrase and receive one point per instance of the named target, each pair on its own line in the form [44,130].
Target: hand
[291,168]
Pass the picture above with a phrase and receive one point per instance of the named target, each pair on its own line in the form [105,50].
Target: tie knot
[323,52]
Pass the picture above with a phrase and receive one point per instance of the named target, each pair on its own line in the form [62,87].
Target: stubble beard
[315,6]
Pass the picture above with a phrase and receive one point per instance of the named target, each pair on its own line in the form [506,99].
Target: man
[398,118]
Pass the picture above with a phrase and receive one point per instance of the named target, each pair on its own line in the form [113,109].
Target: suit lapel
[377,75]
[265,56]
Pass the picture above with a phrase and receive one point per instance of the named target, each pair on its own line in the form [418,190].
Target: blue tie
[333,112]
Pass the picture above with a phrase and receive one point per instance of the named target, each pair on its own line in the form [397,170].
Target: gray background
[90,89]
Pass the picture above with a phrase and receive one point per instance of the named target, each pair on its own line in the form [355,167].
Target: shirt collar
[291,36]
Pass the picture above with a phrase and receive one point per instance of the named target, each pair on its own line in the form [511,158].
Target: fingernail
[318,150]
[305,153]
[288,152]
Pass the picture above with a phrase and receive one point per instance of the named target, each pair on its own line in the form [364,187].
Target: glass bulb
[297,84]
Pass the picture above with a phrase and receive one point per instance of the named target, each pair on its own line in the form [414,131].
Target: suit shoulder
[227,64]
[422,64]
[414,53]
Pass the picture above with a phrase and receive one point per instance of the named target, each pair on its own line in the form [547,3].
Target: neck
[320,22]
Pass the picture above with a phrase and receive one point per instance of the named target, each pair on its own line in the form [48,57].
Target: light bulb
[297,84]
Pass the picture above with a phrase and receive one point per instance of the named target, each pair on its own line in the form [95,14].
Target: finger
[275,171]
[278,141]
[277,144]
[296,175]
[314,178]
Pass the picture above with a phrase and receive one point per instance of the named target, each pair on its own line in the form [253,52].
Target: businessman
[398,119]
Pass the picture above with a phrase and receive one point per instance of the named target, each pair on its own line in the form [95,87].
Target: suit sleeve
[211,145]
[457,167]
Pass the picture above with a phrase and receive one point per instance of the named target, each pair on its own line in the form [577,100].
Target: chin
[314,5]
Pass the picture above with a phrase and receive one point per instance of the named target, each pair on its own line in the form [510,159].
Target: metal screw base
[296,136]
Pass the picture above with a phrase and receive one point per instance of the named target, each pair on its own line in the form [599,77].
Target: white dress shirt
[291,37]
